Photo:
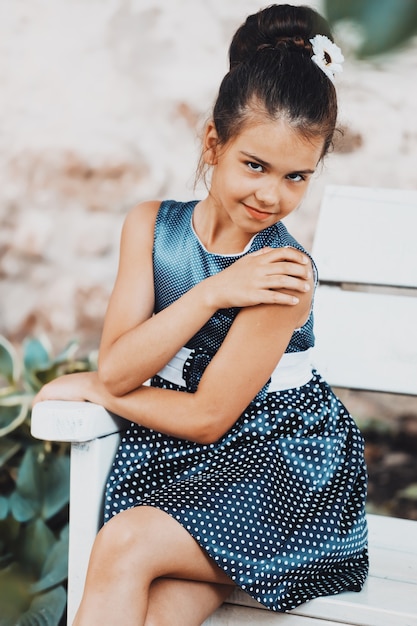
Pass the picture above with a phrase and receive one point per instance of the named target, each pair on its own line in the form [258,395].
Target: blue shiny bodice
[181,261]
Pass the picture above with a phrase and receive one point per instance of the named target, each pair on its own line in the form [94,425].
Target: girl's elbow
[108,379]
[212,428]
[205,438]
[116,383]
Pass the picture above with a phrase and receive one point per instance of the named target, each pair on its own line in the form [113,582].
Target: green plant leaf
[23,509]
[14,410]
[37,379]
[18,608]
[67,353]
[55,569]
[9,364]
[4,507]
[36,353]
[33,562]
[8,448]
[55,484]
[36,358]
[26,500]
[42,485]
[45,609]
[35,545]
[14,596]
[9,532]
[385,24]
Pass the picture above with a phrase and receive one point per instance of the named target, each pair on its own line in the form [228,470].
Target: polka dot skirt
[278,502]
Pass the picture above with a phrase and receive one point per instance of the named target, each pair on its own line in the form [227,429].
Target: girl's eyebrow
[253,157]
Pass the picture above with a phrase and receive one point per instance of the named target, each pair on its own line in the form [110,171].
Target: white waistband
[293,370]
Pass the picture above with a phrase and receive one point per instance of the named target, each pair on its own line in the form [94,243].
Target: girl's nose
[268,193]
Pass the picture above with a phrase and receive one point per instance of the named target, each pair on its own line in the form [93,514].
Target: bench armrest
[94,434]
[58,420]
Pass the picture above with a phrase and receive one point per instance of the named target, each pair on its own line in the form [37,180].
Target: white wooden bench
[366,239]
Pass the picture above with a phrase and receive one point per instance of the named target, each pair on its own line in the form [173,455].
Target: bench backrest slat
[367,236]
[367,340]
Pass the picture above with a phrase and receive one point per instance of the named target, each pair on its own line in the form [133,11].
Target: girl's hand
[76,387]
[263,277]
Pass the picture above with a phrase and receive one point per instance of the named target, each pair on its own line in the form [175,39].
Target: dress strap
[293,370]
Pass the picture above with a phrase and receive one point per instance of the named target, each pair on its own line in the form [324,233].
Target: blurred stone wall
[101,106]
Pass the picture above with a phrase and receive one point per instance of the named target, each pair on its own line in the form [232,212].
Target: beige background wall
[101,103]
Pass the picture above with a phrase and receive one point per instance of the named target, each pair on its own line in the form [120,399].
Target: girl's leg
[132,551]
[174,602]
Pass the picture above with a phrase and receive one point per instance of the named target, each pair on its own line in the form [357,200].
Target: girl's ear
[210,144]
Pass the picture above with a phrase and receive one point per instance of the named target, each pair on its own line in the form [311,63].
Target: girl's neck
[216,231]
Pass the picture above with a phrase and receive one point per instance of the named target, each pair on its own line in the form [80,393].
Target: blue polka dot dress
[278,502]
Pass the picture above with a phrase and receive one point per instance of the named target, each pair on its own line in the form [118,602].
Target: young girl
[240,466]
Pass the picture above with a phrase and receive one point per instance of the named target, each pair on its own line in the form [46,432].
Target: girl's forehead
[264,128]
[268,136]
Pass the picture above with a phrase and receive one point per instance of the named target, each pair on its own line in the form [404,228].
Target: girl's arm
[243,364]
[136,344]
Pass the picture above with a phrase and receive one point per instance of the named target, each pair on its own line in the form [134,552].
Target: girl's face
[262,174]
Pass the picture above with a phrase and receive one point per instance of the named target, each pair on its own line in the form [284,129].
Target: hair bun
[277,26]
[296,42]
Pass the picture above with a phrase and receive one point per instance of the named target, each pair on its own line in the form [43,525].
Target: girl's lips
[258,215]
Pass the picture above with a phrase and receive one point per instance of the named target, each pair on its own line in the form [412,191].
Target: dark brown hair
[271,74]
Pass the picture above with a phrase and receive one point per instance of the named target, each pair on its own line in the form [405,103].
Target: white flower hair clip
[327,55]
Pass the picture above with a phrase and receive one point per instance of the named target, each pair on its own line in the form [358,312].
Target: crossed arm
[270,288]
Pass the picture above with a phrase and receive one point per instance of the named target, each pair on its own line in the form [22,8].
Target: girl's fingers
[288,282]
[279,297]
[288,269]
[283,254]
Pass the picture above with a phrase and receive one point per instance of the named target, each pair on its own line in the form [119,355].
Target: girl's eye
[296,177]
[255,167]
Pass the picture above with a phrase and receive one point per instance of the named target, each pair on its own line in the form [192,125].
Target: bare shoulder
[139,223]
[144,212]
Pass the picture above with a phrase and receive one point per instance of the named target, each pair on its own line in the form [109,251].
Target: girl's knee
[125,535]
[116,530]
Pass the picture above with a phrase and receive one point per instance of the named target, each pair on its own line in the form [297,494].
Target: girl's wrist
[92,388]
[209,295]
